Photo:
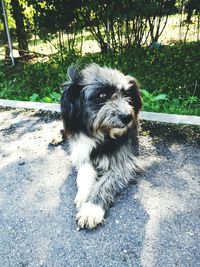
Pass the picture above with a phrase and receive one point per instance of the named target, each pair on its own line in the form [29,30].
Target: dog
[99,108]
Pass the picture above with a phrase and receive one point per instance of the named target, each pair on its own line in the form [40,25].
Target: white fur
[116,168]
[81,146]
[90,215]
[123,106]
[86,180]
[107,75]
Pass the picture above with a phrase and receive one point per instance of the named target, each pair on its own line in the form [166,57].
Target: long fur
[100,109]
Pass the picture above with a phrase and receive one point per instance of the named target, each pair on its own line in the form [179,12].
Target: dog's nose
[126,118]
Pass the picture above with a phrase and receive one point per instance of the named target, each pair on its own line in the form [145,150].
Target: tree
[18,15]
[118,25]
[192,6]
[56,17]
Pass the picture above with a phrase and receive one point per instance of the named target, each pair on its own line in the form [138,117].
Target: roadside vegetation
[138,43]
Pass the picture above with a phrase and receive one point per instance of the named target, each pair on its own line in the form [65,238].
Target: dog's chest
[81,147]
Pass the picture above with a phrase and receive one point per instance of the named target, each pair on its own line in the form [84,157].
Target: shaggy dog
[99,108]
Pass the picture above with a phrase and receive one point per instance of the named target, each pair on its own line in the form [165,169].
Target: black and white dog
[99,108]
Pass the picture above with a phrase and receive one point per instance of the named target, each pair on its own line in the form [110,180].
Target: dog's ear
[70,101]
[135,96]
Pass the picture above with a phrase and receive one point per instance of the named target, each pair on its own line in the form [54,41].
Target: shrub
[169,76]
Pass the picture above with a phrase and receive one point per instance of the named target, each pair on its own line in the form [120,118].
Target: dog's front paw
[58,139]
[90,215]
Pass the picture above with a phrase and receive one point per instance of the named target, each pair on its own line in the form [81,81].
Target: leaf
[160,97]
[55,96]
[47,99]
[34,97]
[145,93]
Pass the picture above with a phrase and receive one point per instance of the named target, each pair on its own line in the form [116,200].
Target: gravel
[154,222]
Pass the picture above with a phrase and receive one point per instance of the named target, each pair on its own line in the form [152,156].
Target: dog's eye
[103,96]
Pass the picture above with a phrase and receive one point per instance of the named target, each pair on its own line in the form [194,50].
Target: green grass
[169,76]
[167,103]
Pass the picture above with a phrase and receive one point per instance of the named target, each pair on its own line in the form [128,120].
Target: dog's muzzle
[126,118]
[126,123]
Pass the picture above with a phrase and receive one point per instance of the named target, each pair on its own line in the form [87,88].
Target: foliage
[167,103]
[54,18]
[53,97]
[169,76]
[116,25]
[41,78]
[166,69]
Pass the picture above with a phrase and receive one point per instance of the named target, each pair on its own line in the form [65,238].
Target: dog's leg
[92,212]
[86,180]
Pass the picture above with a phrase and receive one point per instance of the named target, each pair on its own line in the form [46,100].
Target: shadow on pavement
[154,222]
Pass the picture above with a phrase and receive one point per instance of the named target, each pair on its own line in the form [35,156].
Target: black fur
[99,108]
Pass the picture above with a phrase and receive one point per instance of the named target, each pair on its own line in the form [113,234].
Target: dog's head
[100,101]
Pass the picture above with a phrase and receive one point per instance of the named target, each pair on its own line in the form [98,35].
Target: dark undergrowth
[169,76]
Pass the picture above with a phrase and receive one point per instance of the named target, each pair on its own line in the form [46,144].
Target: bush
[174,69]
[41,78]
[154,102]
[170,74]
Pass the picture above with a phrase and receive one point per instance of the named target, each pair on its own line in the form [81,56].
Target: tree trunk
[20,27]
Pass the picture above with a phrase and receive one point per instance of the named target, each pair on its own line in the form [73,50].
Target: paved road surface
[155,222]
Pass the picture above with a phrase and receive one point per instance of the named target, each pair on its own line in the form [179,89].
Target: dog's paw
[58,139]
[90,215]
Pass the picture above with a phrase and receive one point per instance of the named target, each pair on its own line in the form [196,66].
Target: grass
[169,76]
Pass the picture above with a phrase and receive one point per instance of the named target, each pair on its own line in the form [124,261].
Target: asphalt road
[155,222]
